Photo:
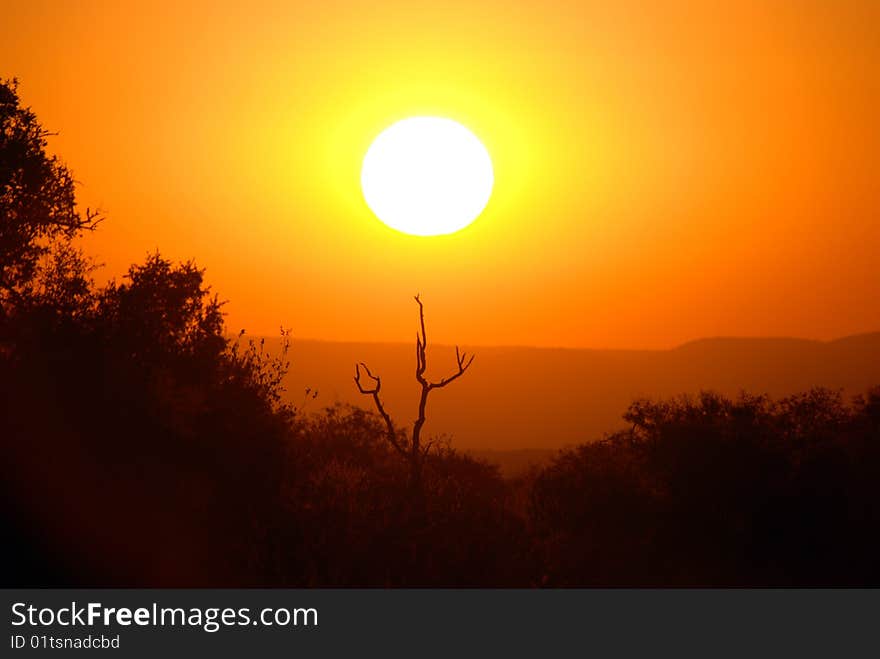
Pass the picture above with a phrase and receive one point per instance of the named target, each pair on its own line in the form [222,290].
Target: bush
[713,491]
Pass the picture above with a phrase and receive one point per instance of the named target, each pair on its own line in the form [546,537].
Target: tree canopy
[37,195]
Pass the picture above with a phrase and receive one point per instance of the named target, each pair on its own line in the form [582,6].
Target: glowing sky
[663,171]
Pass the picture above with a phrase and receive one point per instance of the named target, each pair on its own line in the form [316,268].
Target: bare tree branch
[461,359]
[421,344]
[428,445]
[463,364]
[374,392]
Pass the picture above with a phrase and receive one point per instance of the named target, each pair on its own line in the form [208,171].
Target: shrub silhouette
[713,491]
[349,497]
[137,421]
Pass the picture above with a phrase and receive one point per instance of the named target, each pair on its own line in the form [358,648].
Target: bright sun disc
[427,176]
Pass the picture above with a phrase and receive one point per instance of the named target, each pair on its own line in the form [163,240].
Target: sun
[427,176]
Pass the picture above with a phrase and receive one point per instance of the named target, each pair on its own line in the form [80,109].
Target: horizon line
[520,346]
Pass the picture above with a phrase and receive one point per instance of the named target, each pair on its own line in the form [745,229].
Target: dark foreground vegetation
[142,447]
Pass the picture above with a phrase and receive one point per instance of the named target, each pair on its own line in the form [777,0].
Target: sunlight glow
[427,176]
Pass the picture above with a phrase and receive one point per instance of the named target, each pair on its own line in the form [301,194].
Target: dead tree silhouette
[411,449]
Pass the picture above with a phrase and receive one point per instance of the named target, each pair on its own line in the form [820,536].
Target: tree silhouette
[412,449]
[38,209]
[162,311]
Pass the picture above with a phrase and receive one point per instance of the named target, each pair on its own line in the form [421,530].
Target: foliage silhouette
[138,411]
[37,198]
[713,491]
[348,497]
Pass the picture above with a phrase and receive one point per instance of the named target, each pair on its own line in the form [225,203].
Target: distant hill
[516,398]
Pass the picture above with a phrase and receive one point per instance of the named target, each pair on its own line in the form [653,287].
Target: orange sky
[683,170]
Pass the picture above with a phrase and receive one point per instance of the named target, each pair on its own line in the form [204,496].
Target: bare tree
[411,448]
